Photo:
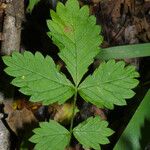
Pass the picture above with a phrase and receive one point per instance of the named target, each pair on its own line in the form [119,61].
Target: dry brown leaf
[99,112]
[130,34]
[77,147]
[141,24]
[64,113]
[116,11]
[18,118]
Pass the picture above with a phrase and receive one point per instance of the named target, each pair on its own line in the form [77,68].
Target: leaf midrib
[40,75]
[98,84]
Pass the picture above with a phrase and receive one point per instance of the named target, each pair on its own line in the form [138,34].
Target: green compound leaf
[50,136]
[93,132]
[110,84]
[77,36]
[37,76]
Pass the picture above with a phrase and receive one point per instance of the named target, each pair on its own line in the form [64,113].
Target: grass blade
[136,135]
[125,51]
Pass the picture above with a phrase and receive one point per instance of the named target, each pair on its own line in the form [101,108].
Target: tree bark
[14,15]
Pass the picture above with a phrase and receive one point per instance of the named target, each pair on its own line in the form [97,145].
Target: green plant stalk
[73,113]
[125,51]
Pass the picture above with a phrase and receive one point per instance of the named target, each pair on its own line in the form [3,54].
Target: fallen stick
[4,136]
[4,133]
[14,15]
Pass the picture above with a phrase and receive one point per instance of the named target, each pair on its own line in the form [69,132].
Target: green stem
[73,113]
